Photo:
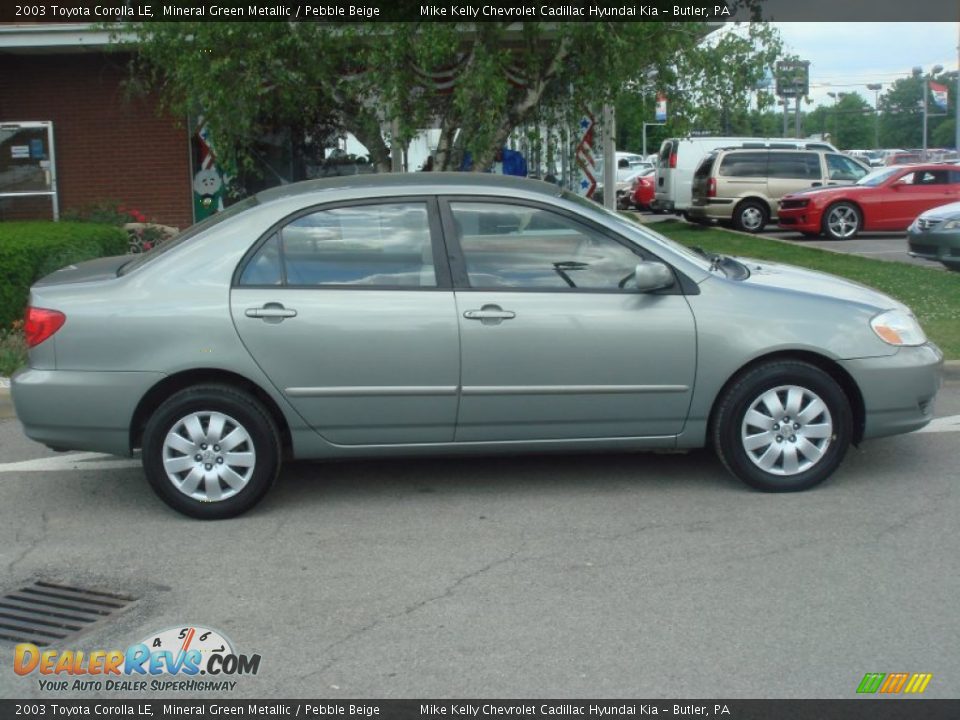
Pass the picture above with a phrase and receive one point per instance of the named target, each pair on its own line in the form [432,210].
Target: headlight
[951,224]
[897,327]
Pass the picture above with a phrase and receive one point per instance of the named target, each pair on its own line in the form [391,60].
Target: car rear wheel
[751,216]
[211,451]
[841,221]
[783,426]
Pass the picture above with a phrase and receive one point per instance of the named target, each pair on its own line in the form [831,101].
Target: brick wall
[108,146]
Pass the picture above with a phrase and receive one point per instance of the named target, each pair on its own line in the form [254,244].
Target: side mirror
[650,276]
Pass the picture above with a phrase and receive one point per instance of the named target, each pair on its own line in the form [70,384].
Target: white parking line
[73,461]
[951,423]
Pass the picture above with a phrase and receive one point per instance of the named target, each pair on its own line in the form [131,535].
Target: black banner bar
[473,11]
[854,709]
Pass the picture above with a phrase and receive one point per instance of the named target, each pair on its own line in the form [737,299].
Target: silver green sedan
[935,235]
[433,313]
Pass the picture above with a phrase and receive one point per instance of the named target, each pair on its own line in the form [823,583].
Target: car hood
[942,212]
[812,282]
[100,269]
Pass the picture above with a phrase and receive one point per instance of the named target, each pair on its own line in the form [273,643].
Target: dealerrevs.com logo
[187,658]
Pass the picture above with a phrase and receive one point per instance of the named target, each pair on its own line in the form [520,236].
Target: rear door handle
[274,312]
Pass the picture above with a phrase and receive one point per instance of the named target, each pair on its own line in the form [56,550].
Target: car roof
[410,182]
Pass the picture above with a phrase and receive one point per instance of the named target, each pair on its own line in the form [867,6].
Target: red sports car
[886,199]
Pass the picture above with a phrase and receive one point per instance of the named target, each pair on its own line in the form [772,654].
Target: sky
[844,57]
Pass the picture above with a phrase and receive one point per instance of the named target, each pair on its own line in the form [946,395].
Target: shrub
[30,250]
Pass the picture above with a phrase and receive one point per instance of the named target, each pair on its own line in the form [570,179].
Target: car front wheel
[783,426]
[841,222]
[211,451]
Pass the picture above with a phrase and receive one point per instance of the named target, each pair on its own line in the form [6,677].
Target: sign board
[793,78]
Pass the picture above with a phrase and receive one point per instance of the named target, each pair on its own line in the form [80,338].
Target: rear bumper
[898,390]
[72,410]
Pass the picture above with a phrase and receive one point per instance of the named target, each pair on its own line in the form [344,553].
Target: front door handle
[490,315]
[271,312]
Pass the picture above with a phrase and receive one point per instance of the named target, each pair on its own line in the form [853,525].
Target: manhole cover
[46,612]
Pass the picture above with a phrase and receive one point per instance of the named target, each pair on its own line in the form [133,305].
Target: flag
[938,94]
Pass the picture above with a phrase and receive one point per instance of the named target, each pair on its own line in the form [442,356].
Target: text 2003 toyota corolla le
[433,313]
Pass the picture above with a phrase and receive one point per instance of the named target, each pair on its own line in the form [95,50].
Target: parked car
[935,235]
[744,186]
[435,313]
[680,157]
[886,199]
[904,158]
[638,191]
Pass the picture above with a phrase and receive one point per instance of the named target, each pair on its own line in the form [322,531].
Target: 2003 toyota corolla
[433,313]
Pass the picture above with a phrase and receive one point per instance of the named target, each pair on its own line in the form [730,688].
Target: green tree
[901,114]
[385,81]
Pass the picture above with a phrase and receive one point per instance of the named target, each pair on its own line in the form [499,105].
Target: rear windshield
[665,151]
[190,232]
[703,169]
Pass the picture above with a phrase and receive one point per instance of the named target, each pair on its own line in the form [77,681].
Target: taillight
[40,323]
[711,187]
[673,159]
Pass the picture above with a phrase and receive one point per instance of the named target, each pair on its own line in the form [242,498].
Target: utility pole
[609,158]
[876,87]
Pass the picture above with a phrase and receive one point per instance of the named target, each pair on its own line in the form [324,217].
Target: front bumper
[898,390]
[805,219]
[75,410]
[937,245]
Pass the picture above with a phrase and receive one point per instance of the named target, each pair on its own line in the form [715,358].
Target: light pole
[876,87]
[837,96]
[918,72]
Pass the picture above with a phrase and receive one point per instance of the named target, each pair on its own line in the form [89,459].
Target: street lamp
[876,87]
[918,72]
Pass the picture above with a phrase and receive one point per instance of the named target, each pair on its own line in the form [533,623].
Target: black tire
[952,266]
[841,221]
[827,433]
[233,409]
[751,216]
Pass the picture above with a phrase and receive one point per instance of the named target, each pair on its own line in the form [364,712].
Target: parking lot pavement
[567,576]
[877,245]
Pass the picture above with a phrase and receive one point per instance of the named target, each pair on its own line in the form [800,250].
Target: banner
[661,111]
[939,95]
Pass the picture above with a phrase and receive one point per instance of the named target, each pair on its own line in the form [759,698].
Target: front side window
[843,168]
[376,245]
[515,246]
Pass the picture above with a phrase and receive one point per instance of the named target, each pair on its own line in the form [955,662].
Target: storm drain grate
[45,612]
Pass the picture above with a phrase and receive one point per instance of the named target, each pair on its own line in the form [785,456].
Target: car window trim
[440,262]
[458,267]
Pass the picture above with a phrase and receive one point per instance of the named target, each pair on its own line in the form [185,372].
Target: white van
[679,157]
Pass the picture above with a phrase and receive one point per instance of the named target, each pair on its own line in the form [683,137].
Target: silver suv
[743,186]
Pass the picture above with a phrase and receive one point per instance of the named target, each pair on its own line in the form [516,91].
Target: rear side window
[744,164]
[796,165]
[382,245]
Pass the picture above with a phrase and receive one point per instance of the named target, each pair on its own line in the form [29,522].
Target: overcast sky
[844,57]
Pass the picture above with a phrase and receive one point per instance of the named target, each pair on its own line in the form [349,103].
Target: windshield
[190,232]
[877,177]
[697,258]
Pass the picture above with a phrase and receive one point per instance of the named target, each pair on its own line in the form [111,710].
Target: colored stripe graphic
[870,683]
[893,683]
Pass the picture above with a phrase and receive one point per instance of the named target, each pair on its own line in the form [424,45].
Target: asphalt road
[639,576]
